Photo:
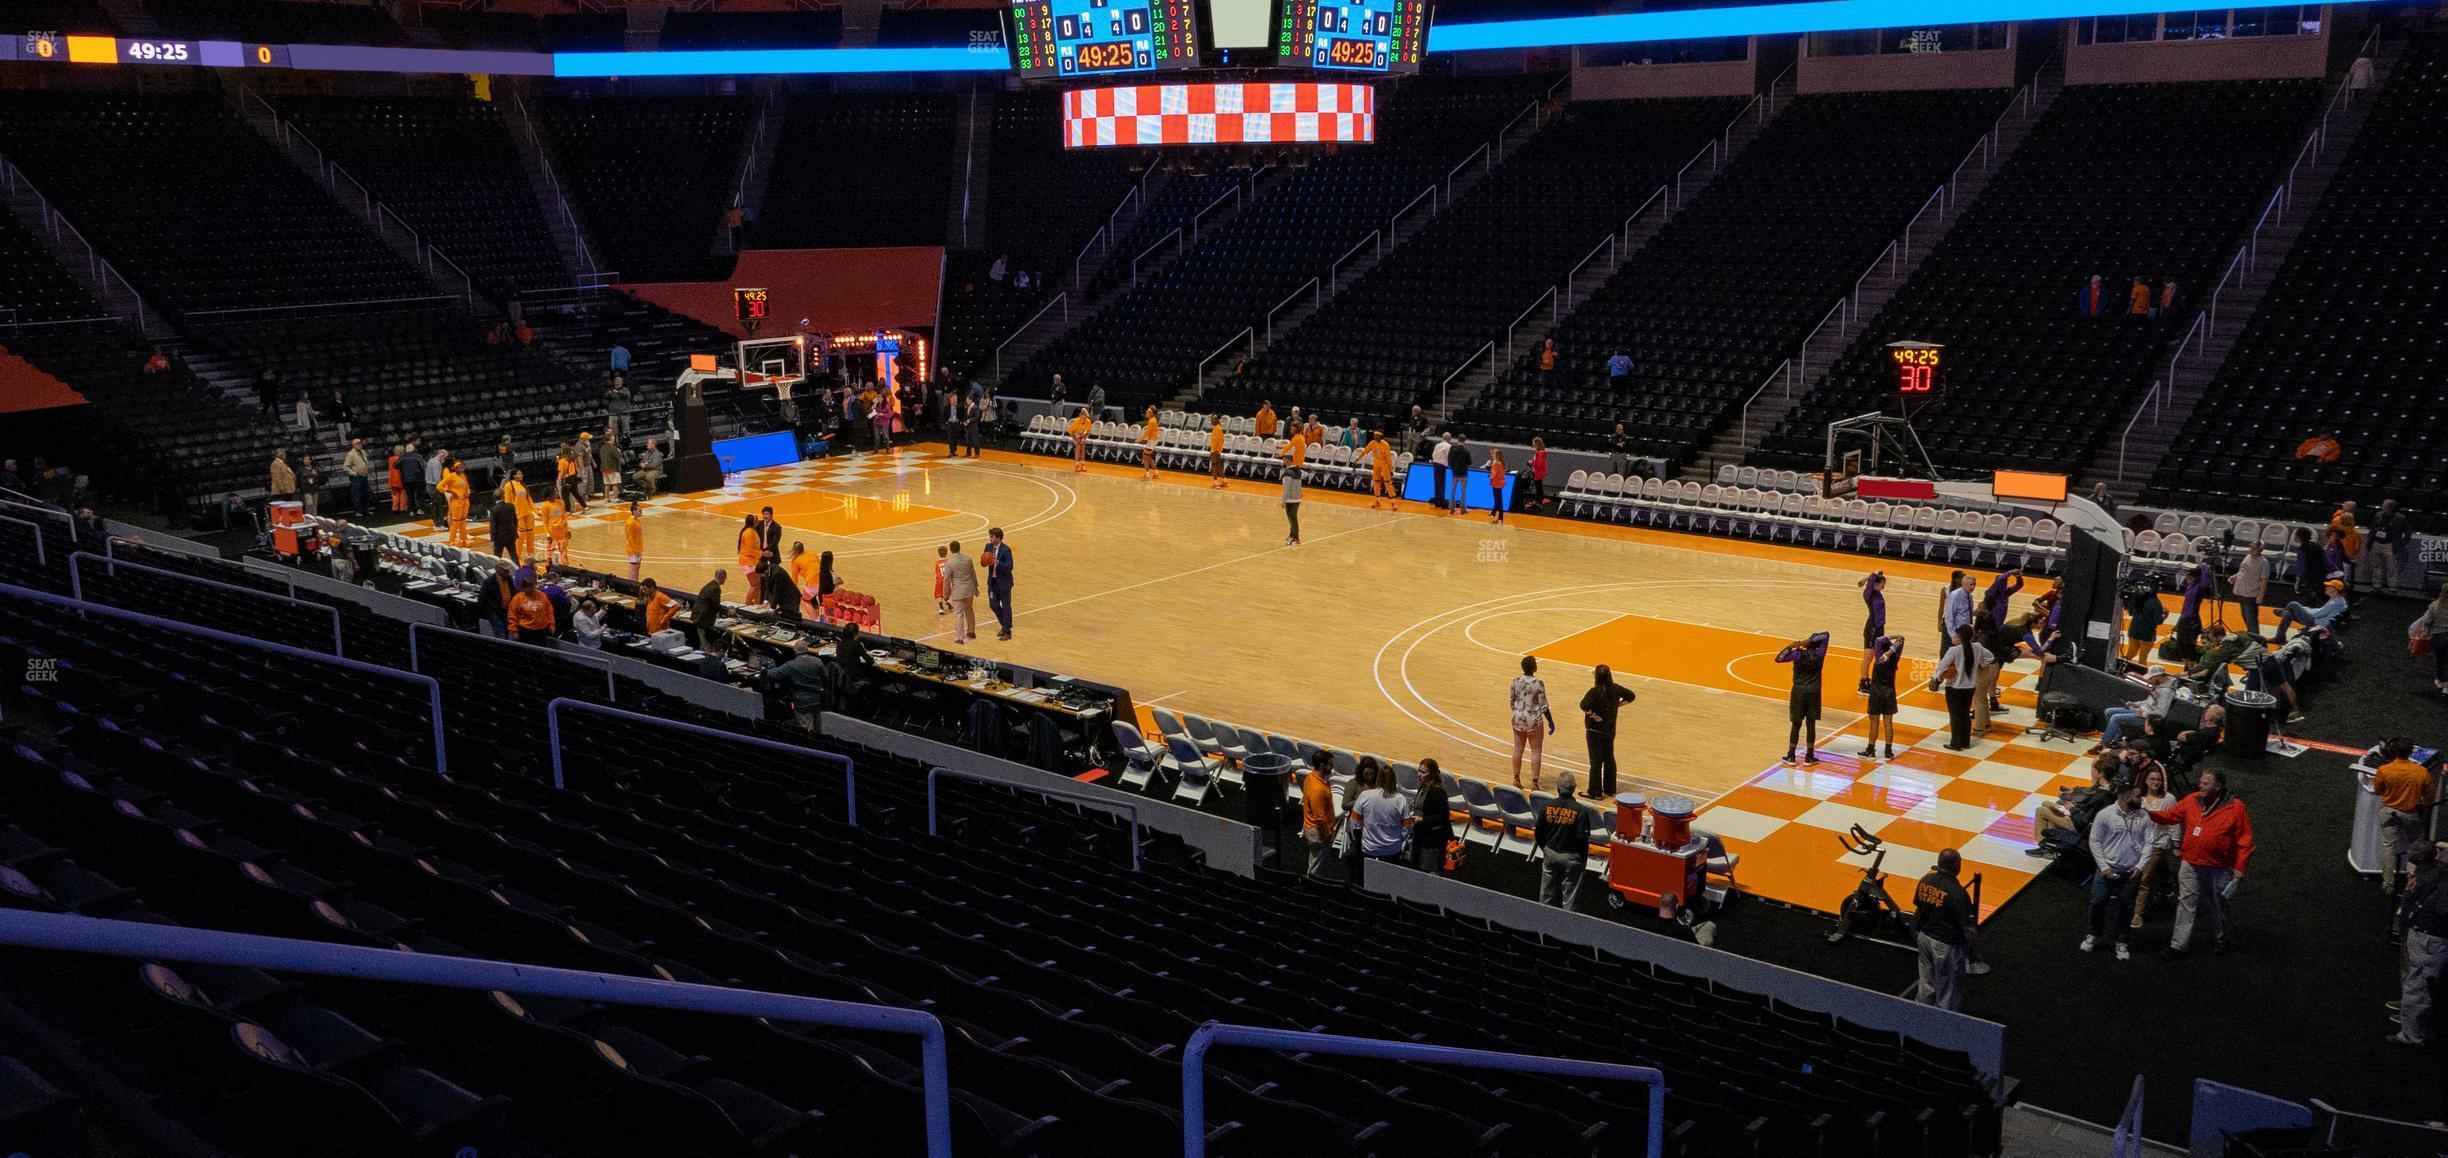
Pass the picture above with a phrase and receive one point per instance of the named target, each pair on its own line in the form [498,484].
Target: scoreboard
[1353,35]
[1077,38]
[47,47]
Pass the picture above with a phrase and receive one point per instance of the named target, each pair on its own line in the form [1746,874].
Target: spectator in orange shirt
[1215,451]
[1319,819]
[531,614]
[158,363]
[1546,361]
[2323,446]
[2405,788]
[1266,419]
[657,607]
[2139,299]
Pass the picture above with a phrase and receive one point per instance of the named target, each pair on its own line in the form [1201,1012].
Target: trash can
[1262,788]
[2248,723]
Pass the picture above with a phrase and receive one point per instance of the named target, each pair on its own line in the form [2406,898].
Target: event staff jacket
[2215,837]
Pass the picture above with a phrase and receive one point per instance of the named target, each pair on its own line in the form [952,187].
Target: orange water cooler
[290,535]
[1664,868]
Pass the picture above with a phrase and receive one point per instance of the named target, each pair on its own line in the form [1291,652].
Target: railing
[1099,797]
[552,181]
[1334,273]
[552,729]
[1062,299]
[433,688]
[1710,151]
[1248,334]
[1783,371]
[1478,154]
[1312,287]
[1161,242]
[1836,313]
[2154,404]
[1444,388]
[96,267]
[375,212]
[1112,220]
[1605,245]
[1527,110]
[1199,218]
[1660,199]
[1892,258]
[40,558]
[1394,223]
[76,587]
[144,941]
[1757,106]
[1212,1034]
[575,655]
[1986,148]
[1937,197]
[1555,315]
[1096,241]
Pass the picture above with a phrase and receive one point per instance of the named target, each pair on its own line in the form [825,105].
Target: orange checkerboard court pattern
[1785,821]
[800,493]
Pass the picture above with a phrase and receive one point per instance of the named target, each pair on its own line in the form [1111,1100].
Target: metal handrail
[1937,197]
[1784,370]
[1334,273]
[1801,358]
[1658,198]
[2153,402]
[1457,169]
[467,285]
[1161,242]
[1394,223]
[317,305]
[1313,286]
[1853,303]
[415,242]
[2193,334]
[552,730]
[1726,135]
[1444,399]
[97,266]
[575,655]
[1527,110]
[1198,373]
[41,559]
[76,587]
[1710,151]
[139,940]
[1201,215]
[1555,315]
[433,687]
[1096,240]
[1212,1034]
[1111,229]
[552,180]
[1100,797]
[1062,299]
[1606,243]
[1986,147]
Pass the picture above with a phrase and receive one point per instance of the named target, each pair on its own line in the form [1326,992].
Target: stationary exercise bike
[1869,910]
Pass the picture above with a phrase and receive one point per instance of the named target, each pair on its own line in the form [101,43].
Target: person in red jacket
[2218,845]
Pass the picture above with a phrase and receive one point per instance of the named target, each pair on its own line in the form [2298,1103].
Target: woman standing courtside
[1496,485]
[750,548]
[1807,656]
[1432,828]
[1598,708]
[1530,715]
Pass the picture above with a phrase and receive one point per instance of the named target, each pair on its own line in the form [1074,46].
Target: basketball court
[1398,633]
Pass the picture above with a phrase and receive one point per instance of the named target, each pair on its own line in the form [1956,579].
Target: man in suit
[961,587]
[706,610]
[769,539]
[998,557]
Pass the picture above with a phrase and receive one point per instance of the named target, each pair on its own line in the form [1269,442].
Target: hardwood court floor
[1389,632]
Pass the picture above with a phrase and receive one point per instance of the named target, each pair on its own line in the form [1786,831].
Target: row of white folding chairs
[2273,535]
[1903,528]
[1763,478]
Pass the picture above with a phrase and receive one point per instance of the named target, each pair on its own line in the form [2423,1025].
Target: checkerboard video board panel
[1205,114]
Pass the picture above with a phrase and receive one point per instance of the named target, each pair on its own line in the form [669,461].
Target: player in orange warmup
[633,535]
[1381,471]
[556,530]
[1147,446]
[515,489]
[1079,441]
[1215,451]
[454,488]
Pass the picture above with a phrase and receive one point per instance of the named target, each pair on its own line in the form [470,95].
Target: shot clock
[750,305]
[1916,368]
